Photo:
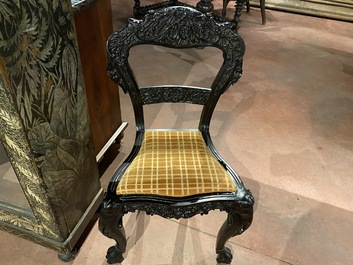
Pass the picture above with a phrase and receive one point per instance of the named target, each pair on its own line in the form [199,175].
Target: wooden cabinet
[58,112]
[93,27]
[47,161]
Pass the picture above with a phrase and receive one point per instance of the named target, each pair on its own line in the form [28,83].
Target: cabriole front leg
[235,224]
[111,225]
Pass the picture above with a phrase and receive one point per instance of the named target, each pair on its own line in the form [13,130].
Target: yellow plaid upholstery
[174,163]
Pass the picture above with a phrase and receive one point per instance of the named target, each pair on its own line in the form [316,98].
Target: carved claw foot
[224,256]
[114,255]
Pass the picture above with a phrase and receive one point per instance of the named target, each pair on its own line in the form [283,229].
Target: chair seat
[174,163]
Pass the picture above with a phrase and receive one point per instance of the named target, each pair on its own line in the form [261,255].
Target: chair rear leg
[111,225]
[235,224]
[263,11]
[238,8]
[224,8]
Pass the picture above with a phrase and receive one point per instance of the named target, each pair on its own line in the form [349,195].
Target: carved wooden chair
[175,173]
[239,7]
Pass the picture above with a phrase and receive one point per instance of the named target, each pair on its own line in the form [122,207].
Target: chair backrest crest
[175,27]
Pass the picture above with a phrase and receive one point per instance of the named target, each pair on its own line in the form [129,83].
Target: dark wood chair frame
[239,7]
[175,27]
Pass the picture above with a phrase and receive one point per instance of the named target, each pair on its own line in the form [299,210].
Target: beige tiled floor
[286,127]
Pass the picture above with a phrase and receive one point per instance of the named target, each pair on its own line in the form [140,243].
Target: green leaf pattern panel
[39,61]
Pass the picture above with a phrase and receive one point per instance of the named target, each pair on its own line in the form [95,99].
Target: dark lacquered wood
[93,27]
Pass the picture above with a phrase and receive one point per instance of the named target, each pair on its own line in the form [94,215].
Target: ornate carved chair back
[159,176]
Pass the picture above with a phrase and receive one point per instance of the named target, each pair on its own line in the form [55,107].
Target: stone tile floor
[286,127]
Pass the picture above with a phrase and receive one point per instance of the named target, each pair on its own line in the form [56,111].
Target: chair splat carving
[170,183]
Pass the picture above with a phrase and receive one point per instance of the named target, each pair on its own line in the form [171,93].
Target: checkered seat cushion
[174,163]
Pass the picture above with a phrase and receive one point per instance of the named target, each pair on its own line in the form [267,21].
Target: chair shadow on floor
[179,235]
[326,231]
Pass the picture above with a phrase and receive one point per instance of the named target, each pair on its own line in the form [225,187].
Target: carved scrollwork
[174,94]
[185,211]
[176,27]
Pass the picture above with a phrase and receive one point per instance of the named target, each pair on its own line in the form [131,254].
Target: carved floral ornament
[188,211]
[187,31]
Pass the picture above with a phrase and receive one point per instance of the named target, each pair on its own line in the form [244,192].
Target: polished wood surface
[93,27]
